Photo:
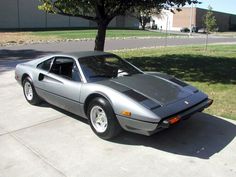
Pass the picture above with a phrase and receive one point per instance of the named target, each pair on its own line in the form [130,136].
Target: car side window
[45,65]
[66,68]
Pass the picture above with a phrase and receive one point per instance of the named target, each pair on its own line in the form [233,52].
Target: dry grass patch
[8,38]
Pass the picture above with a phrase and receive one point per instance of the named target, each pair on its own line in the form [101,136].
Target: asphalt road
[27,51]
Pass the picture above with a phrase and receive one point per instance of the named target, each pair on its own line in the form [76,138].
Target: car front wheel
[102,119]
[29,91]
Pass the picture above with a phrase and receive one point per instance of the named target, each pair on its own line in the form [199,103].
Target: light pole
[167,24]
[191,19]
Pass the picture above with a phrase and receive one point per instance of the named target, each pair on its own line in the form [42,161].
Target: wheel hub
[98,119]
[28,91]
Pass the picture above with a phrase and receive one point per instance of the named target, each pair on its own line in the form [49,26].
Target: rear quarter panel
[21,70]
[29,68]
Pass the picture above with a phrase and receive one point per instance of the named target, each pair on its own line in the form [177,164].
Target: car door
[61,85]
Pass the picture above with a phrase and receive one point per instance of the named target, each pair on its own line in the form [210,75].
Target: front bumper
[149,128]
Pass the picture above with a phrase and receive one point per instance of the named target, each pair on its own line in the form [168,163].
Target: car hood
[153,87]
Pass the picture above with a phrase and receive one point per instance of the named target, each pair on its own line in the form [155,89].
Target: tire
[29,92]
[107,127]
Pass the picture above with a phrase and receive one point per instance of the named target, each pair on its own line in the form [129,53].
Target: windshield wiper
[123,73]
[128,74]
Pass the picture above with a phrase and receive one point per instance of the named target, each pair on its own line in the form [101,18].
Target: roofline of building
[207,10]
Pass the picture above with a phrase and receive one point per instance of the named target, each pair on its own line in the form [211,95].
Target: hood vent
[135,95]
[148,103]
[179,82]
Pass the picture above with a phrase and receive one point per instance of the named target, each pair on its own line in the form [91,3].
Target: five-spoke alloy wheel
[102,118]
[29,91]
[98,119]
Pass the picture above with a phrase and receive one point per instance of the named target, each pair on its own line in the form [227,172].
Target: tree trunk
[206,42]
[100,38]
[143,26]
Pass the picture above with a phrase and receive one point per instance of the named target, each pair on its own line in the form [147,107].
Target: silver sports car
[110,92]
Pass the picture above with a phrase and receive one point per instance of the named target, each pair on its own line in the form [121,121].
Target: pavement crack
[37,154]
[34,125]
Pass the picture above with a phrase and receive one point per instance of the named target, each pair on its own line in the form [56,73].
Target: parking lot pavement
[13,111]
[18,160]
[45,141]
[2,131]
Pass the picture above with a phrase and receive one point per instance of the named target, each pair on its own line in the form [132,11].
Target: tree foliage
[103,11]
[144,14]
[209,21]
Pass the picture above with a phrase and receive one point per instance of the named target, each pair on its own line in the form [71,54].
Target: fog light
[165,122]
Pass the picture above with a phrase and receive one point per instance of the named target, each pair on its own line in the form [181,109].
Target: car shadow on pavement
[200,136]
[10,58]
[69,114]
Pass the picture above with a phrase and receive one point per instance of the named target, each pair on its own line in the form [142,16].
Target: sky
[228,6]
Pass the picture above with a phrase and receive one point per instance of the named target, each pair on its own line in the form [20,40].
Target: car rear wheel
[102,119]
[29,91]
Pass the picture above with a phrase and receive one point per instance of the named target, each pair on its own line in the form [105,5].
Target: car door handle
[41,76]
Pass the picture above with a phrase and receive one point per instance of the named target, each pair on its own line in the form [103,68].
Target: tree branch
[77,15]
[61,12]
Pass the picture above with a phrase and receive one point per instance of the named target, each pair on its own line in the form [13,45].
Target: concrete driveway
[44,141]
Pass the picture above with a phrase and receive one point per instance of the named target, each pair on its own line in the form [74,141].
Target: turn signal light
[174,120]
[126,113]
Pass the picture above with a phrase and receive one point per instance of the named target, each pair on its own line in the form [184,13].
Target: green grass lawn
[213,72]
[91,33]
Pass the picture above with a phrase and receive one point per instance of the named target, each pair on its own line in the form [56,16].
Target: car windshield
[97,68]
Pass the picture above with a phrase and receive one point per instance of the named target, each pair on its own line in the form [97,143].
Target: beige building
[24,14]
[176,21]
